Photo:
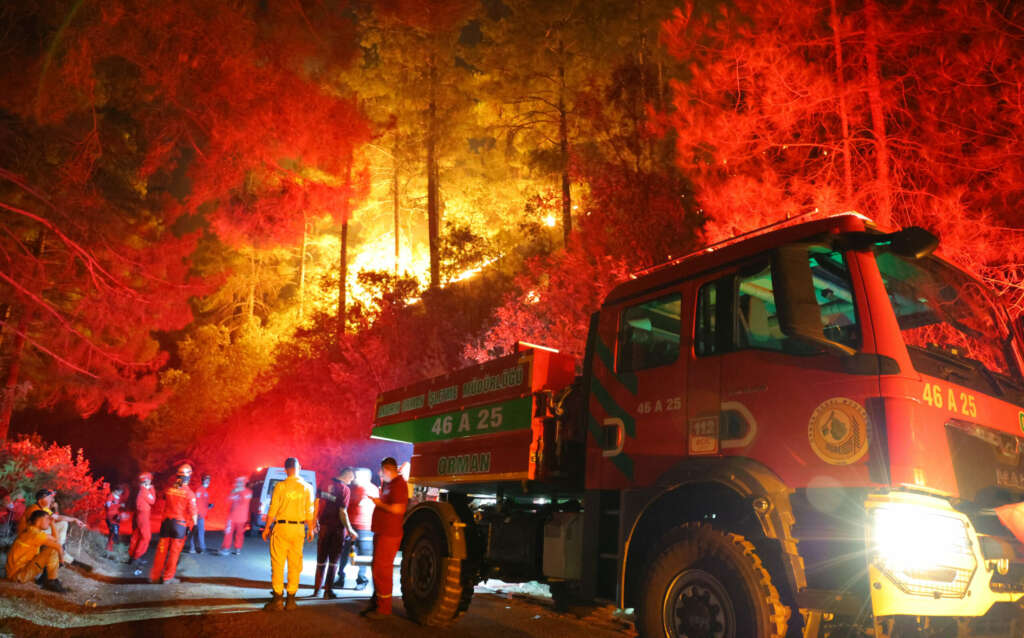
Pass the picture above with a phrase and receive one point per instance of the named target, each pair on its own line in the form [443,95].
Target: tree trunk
[395,199]
[250,306]
[844,118]
[17,348]
[302,267]
[874,85]
[343,254]
[13,373]
[563,146]
[433,199]
[343,281]
[5,316]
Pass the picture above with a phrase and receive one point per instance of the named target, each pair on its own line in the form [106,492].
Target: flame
[376,254]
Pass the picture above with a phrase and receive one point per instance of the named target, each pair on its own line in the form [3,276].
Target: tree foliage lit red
[910,116]
[210,207]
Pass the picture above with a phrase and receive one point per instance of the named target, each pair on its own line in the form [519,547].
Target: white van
[262,483]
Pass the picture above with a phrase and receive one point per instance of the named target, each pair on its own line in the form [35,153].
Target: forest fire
[225,228]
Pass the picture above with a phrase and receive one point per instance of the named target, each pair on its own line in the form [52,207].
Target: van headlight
[923,551]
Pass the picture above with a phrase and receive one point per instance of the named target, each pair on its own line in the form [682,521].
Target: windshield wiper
[946,352]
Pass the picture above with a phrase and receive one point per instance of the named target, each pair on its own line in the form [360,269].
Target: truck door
[704,383]
[638,389]
[797,407]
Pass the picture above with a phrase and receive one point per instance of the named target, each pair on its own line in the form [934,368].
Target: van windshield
[949,323]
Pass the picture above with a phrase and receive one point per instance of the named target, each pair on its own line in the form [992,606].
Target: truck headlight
[924,551]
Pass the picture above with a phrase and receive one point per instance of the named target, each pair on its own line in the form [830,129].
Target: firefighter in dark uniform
[332,500]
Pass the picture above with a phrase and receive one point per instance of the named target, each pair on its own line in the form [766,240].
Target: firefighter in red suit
[179,516]
[238,515]
[387,536]
[144,501]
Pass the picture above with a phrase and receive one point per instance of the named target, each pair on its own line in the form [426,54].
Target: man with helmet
[179,516]
[144,500]
[291,507]
[238,515]
[196,543]
[332,500]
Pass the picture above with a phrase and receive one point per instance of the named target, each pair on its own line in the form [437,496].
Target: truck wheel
[432,587]
[709,584]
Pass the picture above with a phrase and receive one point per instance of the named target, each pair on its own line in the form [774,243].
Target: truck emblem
[838,431]
[1020,420]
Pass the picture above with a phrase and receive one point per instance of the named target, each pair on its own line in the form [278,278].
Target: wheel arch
[736,494]
[446,518]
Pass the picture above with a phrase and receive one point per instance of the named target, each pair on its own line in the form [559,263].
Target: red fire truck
[812,430]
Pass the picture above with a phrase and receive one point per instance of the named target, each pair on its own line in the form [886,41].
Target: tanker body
[813,430]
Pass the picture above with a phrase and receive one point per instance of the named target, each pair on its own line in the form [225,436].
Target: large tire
[704,583]
[433,587]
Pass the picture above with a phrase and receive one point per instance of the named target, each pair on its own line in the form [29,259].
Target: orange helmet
[145,476]
[184,470]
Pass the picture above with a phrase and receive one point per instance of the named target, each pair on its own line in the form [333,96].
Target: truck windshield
[949,324]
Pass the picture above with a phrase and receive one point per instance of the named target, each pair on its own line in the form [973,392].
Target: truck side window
[649,334]
[834,292]
[705,333]
[757,324]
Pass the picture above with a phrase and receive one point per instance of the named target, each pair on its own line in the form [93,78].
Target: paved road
[253,564]
[222,596]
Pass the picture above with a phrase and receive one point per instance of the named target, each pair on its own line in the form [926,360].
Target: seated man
[46,502]
[36,553]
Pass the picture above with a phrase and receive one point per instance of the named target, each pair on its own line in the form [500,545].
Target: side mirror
[913,241]
[797,307]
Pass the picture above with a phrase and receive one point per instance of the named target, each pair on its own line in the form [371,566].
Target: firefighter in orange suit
[144,501]
[291,508]
[179,516]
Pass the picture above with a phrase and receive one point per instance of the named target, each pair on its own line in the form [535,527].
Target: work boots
[54,585]
[319,578]
[371,607]
[276,603]
[328,583]
[291,605]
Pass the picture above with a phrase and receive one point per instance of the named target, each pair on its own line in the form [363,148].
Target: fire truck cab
[812,430]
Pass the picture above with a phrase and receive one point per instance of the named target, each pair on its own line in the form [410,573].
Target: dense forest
[231,224]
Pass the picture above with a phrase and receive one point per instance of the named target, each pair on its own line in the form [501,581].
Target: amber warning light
[523,345]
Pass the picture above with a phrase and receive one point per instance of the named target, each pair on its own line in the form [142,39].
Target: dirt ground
[223,597]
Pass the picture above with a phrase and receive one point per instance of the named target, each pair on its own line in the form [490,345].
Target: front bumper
[926,559]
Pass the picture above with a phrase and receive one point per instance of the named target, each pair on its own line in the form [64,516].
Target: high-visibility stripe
[462,478]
